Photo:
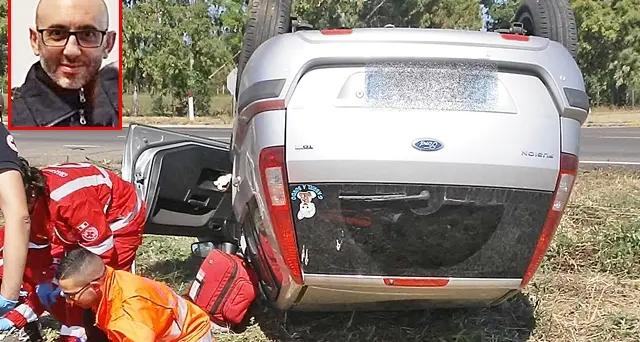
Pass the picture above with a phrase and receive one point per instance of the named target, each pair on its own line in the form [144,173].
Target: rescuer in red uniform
[39,268]
[81,205]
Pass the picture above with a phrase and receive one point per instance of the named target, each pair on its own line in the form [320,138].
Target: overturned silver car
[380,168]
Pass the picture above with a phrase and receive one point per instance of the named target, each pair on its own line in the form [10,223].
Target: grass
[588,288]
[219,105]
[614,117]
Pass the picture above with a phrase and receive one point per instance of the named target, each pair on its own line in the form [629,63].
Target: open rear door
[174,173]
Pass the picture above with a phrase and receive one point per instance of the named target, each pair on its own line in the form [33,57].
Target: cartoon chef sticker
[306,194]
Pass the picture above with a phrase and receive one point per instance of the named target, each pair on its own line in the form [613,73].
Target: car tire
[553,19]
[267,19]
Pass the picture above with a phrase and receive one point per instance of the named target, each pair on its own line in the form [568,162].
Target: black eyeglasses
[59,37]
[74,295]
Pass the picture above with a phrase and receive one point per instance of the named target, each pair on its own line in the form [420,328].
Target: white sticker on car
[306,194]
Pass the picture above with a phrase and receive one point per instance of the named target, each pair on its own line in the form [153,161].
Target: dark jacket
[40,102]
[8,151]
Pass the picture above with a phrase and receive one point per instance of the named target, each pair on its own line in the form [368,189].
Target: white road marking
[609,162]
[121,136]
[80,146]
[618,137]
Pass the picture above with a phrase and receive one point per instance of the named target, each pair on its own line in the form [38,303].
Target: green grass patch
[219,105]
[588,288]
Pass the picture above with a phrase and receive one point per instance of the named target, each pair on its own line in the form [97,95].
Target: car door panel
[175,173]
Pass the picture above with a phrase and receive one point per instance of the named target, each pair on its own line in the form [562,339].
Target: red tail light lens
[334,32]
[518,37]
[566,179]
[274,182]
[416,282]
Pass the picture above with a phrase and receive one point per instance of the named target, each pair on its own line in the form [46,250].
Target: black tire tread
[553,19]
[267,18]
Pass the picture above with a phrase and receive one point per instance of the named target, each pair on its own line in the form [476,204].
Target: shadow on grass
[511,321]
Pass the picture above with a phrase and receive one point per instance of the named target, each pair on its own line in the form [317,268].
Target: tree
[609,50]
[608,44]
[463,14]
[172,47]
[3,44]
[501,13]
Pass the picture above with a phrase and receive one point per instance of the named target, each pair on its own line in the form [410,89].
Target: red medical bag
[225,286]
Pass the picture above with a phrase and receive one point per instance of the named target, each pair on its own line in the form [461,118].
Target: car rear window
[440,86]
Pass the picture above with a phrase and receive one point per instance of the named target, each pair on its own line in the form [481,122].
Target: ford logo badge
[427,145]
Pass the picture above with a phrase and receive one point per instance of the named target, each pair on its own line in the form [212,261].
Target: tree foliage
[171,47]
[3,43]
[463,14]
[608,45]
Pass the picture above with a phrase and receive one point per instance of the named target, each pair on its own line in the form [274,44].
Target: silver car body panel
[270,71]
[327,292]
[480,148]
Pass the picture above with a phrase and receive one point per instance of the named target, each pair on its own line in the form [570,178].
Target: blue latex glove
[47,294]
[5,324]
[6,305]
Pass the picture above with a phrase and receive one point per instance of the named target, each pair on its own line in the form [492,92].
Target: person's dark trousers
[32,330]
[94,334]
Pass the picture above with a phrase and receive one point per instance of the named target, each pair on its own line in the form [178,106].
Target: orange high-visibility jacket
[138,309]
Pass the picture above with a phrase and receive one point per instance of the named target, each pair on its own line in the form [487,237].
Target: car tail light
[333,32]
[564,185]
[274,182]
[518,37]
[417,282]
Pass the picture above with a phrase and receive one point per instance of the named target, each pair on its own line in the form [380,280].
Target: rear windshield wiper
[424,195]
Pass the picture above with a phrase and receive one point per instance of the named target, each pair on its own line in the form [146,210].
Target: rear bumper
[346,293]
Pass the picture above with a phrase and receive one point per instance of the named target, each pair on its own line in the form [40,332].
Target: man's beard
[78,81]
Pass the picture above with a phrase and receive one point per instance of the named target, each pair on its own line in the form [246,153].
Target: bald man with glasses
[67,87]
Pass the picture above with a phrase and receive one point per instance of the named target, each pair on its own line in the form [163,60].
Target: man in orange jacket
[129,307]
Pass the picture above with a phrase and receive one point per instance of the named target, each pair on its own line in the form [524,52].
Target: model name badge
[427,145]
[303,147]
[537,154]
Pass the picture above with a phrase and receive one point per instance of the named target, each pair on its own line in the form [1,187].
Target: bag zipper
[227,286]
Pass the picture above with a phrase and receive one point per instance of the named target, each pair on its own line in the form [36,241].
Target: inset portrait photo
[64,64]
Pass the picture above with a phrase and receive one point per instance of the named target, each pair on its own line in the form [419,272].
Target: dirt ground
[614,117]
[588,288]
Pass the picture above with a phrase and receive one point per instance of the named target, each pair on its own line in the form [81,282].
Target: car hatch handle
[197,199]
[423,195]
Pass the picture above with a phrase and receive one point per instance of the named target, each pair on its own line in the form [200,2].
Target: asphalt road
[610,145]
[57,146]
[598,145]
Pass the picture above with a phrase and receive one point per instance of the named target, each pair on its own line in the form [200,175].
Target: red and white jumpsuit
[93,208]
[39,269]
[96,209]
